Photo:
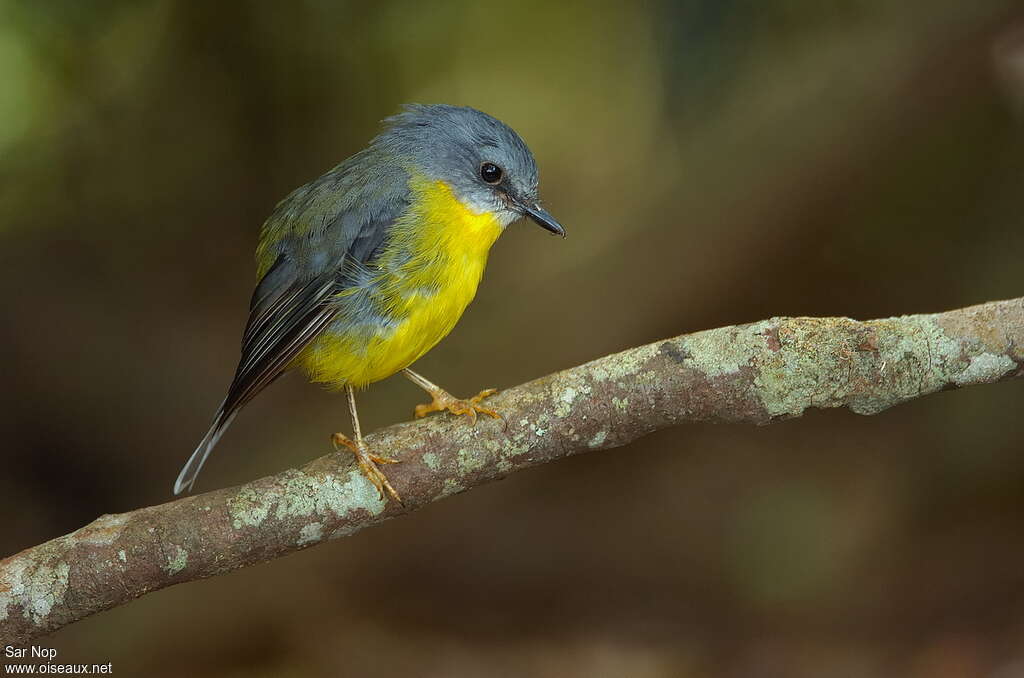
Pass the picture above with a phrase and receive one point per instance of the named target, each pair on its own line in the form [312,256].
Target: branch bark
[757,373]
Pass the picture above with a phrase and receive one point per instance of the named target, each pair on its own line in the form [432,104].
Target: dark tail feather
[195,463]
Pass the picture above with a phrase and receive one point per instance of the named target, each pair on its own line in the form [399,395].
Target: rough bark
[757,373]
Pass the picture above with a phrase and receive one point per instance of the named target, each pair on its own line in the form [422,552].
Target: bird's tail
[195,463]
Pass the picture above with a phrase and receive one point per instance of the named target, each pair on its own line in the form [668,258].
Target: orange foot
[368,463]
[446,401]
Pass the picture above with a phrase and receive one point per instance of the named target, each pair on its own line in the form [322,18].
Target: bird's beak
[542,217]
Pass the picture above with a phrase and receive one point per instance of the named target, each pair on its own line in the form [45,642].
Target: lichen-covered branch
[757,373]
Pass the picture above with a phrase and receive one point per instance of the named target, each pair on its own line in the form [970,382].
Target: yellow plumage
[429,272]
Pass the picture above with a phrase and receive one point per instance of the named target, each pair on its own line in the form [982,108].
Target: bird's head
[487,165]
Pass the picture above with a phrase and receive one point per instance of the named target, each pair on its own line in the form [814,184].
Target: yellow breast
[429,272]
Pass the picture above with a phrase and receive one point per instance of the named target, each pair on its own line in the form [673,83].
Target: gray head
[487,165]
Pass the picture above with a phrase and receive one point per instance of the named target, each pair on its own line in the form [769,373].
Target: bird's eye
[491,173]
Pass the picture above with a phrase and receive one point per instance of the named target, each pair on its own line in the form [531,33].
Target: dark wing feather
[276,334]
[293,304]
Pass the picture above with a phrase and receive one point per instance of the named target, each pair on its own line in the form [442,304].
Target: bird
[366,268]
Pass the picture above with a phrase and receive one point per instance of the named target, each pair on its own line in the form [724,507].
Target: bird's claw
[367,462]
[442,400]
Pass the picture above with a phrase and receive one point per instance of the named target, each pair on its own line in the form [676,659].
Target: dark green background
[714,162]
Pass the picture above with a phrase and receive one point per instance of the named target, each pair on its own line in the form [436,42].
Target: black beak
[542,217]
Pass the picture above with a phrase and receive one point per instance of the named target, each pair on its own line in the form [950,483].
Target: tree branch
[757,373]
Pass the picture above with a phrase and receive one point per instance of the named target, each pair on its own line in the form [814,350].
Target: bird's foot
[368,464]
[442,400]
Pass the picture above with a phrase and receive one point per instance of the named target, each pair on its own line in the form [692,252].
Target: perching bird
[365,269]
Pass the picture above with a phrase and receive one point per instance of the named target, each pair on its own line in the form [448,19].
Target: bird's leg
[442,400]
[367,460]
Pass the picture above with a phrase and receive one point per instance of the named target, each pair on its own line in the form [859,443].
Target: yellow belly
[430,273]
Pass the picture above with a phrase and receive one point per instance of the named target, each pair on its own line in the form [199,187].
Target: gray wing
[295,299]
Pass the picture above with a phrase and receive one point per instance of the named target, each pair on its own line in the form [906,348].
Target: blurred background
[714,162]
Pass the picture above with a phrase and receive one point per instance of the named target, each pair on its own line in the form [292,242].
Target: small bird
[365,269]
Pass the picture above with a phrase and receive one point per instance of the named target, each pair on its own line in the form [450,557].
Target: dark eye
[490,173]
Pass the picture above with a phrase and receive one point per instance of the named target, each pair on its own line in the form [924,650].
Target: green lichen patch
[832,362]
[310,534]
[46,589]
[471,460]
[914,357]
[726,350]
[12,586]
[302,495]
[515,448]
[34,589]
[810,364]
[567,397]
[248,508]
[984,369]
[177,561]
[621,365]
